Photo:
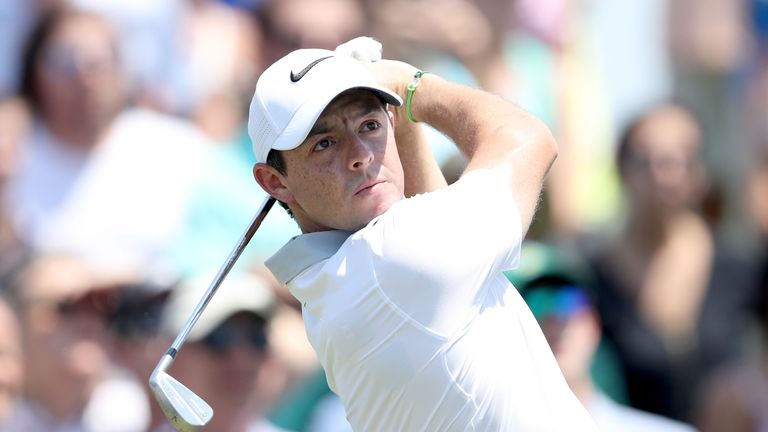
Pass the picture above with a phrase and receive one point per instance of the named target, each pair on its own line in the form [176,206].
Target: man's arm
[422,173]
[492,132]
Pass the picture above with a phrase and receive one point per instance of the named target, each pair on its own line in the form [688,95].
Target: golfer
[400,277]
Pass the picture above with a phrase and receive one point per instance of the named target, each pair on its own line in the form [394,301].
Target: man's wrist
[410,91]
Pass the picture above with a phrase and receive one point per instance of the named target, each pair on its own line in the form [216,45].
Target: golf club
[186,411]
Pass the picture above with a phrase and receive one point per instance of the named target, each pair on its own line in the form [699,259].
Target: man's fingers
[362,48]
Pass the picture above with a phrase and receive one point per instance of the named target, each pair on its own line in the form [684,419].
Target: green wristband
[409,96]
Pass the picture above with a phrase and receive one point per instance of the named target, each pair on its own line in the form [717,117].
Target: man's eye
[323,144]
[371,125]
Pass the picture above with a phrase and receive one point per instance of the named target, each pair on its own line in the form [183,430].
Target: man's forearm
[492,132]
[422,173]
[474,118]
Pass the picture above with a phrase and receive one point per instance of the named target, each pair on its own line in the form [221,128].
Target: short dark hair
[275,160]
[33,47]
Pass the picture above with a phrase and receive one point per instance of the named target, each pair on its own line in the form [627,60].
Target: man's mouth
[368,187]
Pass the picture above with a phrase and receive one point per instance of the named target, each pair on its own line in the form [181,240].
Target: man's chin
[370,213]
[381,206]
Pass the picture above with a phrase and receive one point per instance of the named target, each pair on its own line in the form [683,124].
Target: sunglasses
[229,335]
[98,301]
[65,61]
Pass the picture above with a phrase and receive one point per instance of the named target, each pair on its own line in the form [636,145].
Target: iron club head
[186,411]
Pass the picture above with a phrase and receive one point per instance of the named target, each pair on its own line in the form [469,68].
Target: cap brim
[307,115]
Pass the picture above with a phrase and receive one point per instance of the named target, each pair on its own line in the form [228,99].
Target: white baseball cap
[240,292]
[292,93]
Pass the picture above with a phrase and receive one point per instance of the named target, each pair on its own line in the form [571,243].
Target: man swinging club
[400,276]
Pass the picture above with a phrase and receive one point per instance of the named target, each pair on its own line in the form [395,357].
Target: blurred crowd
[125,181]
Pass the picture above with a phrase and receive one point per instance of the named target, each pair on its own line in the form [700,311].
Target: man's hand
[392,74]
[363,48]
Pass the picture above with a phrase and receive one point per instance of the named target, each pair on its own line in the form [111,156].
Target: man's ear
[272,182]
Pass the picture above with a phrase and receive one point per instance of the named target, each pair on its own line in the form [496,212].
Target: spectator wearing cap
[556,288]
[226,354]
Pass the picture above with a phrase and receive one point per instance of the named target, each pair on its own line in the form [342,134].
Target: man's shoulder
[304,251]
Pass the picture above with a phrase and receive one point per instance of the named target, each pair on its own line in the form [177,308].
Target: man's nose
[360,153]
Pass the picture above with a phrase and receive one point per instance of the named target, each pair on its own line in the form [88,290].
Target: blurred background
[125,177]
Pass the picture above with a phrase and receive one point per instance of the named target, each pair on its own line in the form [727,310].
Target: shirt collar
[303,251]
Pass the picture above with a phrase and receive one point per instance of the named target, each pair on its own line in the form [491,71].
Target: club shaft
[219,278]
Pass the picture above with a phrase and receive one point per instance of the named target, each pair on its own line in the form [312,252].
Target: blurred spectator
[138,345]
[96,177]
[292,24]
[141,341]
[168,47]
[226,357]
[556,288]
[414,32]
[14,125]
[709,37]
[70,383]
[149,44]
[11,368]
[672,299]
[710,48]
[219,90]
[735,397]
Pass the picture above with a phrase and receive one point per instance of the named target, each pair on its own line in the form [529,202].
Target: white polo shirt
[415,324]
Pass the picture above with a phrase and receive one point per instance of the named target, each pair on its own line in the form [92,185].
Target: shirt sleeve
[441,252]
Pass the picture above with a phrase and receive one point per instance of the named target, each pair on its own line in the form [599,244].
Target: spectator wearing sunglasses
[226,355]
[556,288]
[70,382]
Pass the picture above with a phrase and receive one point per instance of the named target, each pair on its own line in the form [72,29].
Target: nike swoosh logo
[295,77]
